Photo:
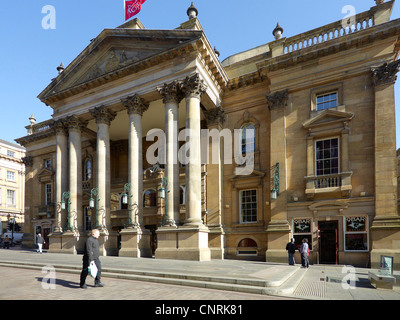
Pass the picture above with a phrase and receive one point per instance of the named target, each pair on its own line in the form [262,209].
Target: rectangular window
[11,153]
[355,233]
[248,206]
[48,193]
[11,197]
[327,156]
[47,163]
[11,175]
[302,229]
[327,101]
[88,218]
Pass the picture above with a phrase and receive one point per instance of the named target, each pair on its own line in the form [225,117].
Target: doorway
[45,235]
[328,242]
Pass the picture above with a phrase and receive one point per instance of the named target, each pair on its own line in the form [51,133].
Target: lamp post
[126,199]
[163,194]
[275,182]
[94,203]
[66,196]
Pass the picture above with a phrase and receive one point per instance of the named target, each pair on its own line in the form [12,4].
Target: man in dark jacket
[91,255]
[291,249]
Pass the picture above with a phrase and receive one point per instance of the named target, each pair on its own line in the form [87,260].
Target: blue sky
[30,54]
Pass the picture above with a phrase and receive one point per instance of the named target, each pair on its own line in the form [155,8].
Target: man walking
[40,241]
[291,249]
[91,255]
[304,254]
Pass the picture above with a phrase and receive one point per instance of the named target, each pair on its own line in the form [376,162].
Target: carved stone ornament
[215,116]
[59,127]
[135,104]
[385,74]
[74,123]
[193,86]
[277,99]
[171,92]
[27,161]
[103,115]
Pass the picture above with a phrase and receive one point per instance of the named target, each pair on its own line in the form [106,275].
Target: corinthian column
[135,107]
[75,175]
[193,89]
[61,169]
[171,97]
[103,120]
[135,240]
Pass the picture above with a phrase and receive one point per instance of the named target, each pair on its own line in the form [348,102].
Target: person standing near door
[291,249]
[40,241]
[304,254]
[91,255]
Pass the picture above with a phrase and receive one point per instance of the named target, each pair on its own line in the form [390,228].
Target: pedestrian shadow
[60,282]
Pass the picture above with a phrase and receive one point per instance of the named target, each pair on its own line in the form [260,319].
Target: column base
[183,243]
[278,237]
[135,242]
[66,242]
[108,243]
[216,242]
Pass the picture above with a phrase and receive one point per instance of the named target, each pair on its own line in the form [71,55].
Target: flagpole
[124,11]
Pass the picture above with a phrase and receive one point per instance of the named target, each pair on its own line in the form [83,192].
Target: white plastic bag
[92,269]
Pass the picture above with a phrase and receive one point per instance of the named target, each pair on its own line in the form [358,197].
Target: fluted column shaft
[171,97]
[135,107]
[193,88]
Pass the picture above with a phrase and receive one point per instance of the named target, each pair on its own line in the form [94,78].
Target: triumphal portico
[173,153]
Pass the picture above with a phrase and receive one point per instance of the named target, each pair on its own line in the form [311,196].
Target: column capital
[385,74]
[215,116]
[193,86]
[59,127]
[74,123]
[135,105]
[171,92]
[277,99]
[103,115]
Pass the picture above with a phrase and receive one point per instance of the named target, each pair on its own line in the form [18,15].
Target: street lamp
[126,199]
[95,193]
[162,193]
[66,196]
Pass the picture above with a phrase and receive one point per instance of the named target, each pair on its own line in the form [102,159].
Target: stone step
[268,287]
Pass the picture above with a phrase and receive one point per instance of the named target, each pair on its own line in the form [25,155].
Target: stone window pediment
[328,119]
[46,175]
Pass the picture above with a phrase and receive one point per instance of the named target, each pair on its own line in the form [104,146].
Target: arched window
[150,198]
[87,170]
[248,138]
[247,243]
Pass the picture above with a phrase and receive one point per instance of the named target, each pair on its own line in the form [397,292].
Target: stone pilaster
[278,228]
[385,230]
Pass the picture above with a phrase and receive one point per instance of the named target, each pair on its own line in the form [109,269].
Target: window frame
[338,156]
[243,141]
[303,234]
[48,196]
[365,232]
[241,216]
[13,204]
[12,173]
[324,94]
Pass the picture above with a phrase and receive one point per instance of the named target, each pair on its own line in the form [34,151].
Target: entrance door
[328,242]
[45,235]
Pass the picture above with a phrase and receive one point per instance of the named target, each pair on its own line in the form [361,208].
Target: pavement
[146,278]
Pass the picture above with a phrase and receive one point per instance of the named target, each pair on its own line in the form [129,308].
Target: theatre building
[301,144]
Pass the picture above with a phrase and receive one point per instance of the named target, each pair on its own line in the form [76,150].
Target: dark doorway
[45,235]
[328,242]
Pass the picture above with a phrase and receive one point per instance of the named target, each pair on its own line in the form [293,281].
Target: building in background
[316,114]
[12,185]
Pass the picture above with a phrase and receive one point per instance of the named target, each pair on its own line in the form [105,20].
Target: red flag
[132,8]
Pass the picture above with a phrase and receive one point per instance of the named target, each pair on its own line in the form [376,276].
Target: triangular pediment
[45,175]
[115,50]
[328,117]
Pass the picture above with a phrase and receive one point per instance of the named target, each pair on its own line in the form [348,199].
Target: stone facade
[316,117]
